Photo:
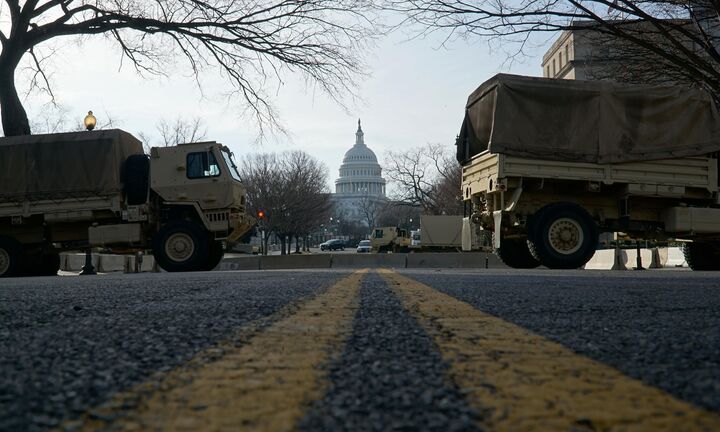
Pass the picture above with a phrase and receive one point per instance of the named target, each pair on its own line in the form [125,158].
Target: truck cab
[390,239]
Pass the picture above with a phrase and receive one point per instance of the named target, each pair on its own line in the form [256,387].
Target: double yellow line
[520,381]
[515,379]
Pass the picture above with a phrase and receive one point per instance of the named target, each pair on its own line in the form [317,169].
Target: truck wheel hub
[566,236]
[179,247]
[4,261]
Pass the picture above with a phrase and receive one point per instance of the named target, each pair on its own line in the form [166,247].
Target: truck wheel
[214,256]
[136,173]
[702,256]
[49,264]
[11,257]
[180,246]
[514,252]
[563,236]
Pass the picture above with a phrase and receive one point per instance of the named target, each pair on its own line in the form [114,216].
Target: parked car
[363,246]
[333,244]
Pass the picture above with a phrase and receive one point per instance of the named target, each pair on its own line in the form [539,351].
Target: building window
[554,68]
[567,53]
[547,71]
[560,60]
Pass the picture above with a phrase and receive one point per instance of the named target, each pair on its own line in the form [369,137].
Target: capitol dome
[360,172]
[359,152]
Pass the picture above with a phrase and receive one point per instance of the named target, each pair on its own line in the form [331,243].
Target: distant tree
[249,42]
[427,177]
[263,184]
[680,37]
[369,207]
[396,213]
[54,118]
[308,201]
[180,131]
[291,189]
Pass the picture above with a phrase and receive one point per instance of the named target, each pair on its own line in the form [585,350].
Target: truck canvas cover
[64,165]
[587,121]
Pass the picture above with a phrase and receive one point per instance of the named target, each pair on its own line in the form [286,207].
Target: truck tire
[181,246]
[702,255]
[40,263]
[136,176]
[49,264]
[214,256]
[516,254]
[11,257]
[562,236]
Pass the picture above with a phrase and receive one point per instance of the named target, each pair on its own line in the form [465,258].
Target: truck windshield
[231,164]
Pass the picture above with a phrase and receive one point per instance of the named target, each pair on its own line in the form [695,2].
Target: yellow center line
[265,384]
[520,381]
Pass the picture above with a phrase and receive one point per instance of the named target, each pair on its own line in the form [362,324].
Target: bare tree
[370,207]
[680,36]
[263,185]
[291,190]
[307,199]
[427,177]
[182,131]
[250,42]
[52,118]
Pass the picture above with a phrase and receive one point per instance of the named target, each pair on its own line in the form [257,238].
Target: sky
[415,95]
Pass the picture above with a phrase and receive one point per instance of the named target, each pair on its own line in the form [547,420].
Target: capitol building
[360,186]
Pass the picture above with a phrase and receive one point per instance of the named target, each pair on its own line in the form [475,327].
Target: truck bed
[62,210]
[659,177]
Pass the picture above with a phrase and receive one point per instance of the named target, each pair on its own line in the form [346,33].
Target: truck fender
[198,210]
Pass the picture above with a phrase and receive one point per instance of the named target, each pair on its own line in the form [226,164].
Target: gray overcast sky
[415,95]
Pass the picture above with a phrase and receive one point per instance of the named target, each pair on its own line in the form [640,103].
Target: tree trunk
[282,245]
[14,118]
[297,244]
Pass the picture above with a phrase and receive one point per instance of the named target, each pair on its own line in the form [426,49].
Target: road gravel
[662,327]
[390,376]
[68,343]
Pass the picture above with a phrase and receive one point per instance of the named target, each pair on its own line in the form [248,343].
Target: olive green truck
[74,191]
[548,165]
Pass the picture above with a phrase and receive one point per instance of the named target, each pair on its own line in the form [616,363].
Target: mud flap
[466,236]
[497,219]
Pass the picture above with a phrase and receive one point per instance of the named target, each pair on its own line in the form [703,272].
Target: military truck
[390,239]
[74,191]
[549,164]
[438,233]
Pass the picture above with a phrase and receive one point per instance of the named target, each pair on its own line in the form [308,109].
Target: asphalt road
[334,350]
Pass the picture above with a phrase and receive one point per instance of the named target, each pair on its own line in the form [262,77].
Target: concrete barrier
[630,258]
[75,261]
[370,260]
[607,259]
[453,260]
[274,262]
[675,258]
[110,263]
[244,263]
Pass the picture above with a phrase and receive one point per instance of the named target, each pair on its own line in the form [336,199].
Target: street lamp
[90,121]
[88,269]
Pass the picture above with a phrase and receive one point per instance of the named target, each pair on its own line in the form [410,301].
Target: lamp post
[90,121]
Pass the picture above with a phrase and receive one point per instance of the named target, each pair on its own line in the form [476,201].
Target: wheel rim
[4,261]
[179,247]
[566,236]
